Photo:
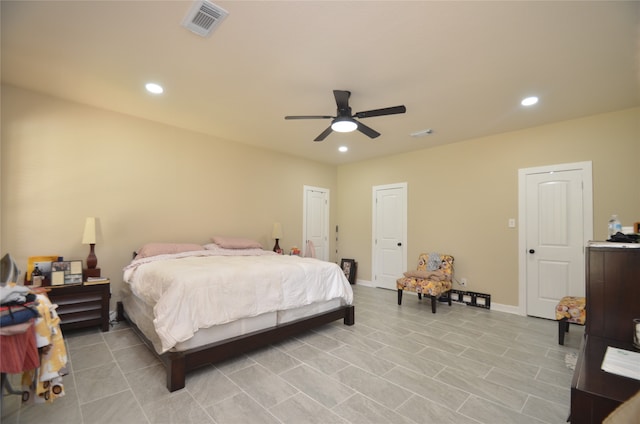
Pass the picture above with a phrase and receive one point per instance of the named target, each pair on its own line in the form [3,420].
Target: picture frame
[349,267]
[66,272]
[32,260]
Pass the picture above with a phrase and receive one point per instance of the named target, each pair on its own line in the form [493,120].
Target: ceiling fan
[344,120]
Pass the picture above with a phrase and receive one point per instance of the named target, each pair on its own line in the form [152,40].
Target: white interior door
[316,221]
[389,234]
[556,227]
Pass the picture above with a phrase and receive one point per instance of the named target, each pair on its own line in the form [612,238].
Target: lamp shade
[89,235]
[277,231]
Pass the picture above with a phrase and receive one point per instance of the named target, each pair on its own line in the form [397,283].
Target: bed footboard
[178,364]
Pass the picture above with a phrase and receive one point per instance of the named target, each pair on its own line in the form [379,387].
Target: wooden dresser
[613,300]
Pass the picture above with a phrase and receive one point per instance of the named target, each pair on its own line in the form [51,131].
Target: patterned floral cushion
[573,309]
[426,286]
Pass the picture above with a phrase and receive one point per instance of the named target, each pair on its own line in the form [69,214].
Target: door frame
[374,229]
[587,210]
[305,189]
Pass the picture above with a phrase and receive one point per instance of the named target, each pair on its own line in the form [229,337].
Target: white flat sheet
[192,292]
[142,316]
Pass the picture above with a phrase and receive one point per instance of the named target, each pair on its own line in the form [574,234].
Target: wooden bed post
[176,371]
[350,315]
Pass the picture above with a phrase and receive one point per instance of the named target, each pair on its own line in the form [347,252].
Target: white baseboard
[510,309]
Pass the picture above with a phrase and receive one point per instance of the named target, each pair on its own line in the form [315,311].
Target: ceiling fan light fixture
[344,120]
[343,124]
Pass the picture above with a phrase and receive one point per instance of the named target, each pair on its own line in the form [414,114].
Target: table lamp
[89,237]
[276,233]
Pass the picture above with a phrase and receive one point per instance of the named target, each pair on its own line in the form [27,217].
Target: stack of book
[96,280]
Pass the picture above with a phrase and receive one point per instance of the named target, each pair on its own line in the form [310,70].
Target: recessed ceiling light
[529,101]
[343,149]
[154,88]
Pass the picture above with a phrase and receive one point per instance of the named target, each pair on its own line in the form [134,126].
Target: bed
[195,305]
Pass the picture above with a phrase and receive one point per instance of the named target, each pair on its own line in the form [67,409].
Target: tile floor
[398,364]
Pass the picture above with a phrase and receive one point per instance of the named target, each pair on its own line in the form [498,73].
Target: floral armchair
[433,278]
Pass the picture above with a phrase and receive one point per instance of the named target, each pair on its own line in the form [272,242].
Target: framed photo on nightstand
[66,272]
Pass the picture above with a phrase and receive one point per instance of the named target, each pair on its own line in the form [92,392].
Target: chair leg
[419,296]
[434,300]
[449,294]
[563,327]
[399,296]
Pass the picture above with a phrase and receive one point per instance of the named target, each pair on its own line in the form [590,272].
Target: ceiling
[460,68]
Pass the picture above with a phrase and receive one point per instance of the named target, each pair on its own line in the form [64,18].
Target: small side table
[82,305]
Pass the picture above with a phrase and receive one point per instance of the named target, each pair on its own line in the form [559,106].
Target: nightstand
[82,306]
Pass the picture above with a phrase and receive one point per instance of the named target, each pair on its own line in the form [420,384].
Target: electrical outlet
[463,281]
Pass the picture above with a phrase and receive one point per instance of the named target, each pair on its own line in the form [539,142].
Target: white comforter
[202,289]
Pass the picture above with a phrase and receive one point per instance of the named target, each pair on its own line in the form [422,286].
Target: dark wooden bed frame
[178,364]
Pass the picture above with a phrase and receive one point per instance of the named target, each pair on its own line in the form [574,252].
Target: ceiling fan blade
[380,112]
[342,98]
[324,134]
[366,130]
[309,117]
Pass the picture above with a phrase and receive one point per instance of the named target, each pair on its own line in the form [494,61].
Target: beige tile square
[320,387]
[240,409]
[301,409]
[98,382]
[116,408]
[134,357]
[90,356]
[375,387]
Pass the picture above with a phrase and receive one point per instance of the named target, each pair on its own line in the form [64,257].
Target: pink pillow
[155,249]
[235,243]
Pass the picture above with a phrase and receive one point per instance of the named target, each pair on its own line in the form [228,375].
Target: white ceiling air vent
[204,17]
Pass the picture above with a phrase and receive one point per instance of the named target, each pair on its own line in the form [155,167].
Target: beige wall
[460,196]
[62,162]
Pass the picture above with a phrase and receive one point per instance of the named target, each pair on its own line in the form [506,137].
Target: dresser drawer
[82,306]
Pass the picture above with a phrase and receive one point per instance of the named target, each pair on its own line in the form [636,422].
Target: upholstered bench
[572,310]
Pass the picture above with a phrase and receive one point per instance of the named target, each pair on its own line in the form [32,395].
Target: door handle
[399,244]
[532,251]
